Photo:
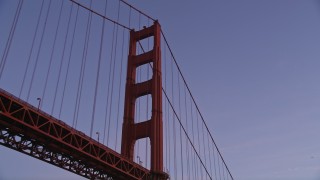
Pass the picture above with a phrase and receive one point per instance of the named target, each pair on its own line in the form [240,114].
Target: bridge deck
[31,131]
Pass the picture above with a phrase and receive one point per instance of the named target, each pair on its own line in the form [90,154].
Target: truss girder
[33,132]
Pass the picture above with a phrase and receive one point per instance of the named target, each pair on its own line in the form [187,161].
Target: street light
[98,135]
[140,162]
[39,99]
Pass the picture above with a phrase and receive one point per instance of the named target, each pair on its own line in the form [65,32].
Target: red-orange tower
[151,128]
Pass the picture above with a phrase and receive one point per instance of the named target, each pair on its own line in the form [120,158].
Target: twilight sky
[254,69]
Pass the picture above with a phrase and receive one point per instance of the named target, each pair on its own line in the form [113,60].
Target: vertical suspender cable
[219,169]
[193,132]
[173,125]
[165,105]
[187,147]
[98,70]
[120,83]
[32,45]
[38,53]
[113,69]
[198,133]
[168,137]
[68,65]
[184,130]
[51,56]
[209,152]
[193,100]
[181,153]
[214,161]
[10,37]
[61,60]
[82,70]
[108,92]
[85,62]
[224,178]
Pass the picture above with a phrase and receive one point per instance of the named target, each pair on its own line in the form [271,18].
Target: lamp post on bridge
[98,136]
[39,99]
[140,162]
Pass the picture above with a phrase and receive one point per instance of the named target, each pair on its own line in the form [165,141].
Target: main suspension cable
[137,10]
[98,14]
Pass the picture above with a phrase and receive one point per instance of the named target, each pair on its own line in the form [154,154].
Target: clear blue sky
[254,69]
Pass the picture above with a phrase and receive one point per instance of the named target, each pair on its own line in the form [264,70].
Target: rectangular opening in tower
[144,72]
[145,45]
[142,150]
[143,108]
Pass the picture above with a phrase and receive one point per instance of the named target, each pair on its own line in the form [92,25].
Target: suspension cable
[181,153]
[68,65]
[51,56]
[180,72]
[173,126]
[61,60]
[107,107]
[175,115]
[85,61]
[113,61]
[38,53]
[137,10]
[120,85]
[10,37]
[113,69]
[187,147]
[82,70]
[108,95]
[98,14]
[31,49]
[98,69]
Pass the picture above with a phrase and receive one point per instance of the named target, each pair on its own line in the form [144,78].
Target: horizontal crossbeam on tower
[29,130]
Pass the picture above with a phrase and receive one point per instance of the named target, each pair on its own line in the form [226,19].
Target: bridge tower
[152,128]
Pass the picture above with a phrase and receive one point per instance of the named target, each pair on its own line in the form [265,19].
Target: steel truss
[31,131]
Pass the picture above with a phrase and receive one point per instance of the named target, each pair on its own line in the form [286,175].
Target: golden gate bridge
[94,88]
